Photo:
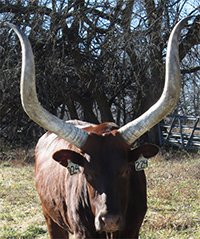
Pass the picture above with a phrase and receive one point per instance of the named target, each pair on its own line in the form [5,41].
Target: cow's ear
[62,157]
[146,150]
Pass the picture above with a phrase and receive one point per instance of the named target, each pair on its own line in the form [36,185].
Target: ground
[173,182]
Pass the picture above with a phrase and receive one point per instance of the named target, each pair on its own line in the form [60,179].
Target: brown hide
[107,198]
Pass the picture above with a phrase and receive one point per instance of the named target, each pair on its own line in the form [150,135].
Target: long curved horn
[133,130]
[30,101]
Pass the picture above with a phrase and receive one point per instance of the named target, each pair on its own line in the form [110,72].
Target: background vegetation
[95,60]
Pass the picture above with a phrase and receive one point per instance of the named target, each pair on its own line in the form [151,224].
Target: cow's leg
[55,231]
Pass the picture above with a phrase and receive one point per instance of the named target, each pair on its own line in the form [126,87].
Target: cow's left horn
[133,130]
[30,101]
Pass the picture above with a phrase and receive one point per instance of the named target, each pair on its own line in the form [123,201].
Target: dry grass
[20,209]
[173,198]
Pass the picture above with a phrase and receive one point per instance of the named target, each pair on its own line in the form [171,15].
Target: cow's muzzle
[109,222]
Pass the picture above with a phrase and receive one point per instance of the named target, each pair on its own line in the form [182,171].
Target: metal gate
[182,131]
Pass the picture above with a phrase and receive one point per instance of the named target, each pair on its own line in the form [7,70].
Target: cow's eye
[125,173]
[88,177]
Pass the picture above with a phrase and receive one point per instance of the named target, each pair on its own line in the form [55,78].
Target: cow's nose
[111,223]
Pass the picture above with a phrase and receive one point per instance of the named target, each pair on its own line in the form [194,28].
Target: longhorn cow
[107,197]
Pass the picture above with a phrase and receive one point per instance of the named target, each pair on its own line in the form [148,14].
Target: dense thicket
[95,60]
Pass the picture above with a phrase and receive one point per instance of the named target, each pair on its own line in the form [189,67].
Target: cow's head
[107,163]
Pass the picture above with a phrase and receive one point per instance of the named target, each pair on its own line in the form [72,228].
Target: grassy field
[173,198]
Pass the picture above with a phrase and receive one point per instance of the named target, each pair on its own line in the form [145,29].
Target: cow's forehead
[107,143]
[107,150]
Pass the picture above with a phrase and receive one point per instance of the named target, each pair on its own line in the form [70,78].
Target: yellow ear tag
[73,168]
[141,163]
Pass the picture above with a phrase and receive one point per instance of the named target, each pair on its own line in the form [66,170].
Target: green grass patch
[20,208]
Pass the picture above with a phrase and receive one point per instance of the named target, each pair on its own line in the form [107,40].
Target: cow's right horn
[30,101]
[133,130]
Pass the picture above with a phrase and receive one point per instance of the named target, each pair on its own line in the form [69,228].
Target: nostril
[102,220]
[118,220]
